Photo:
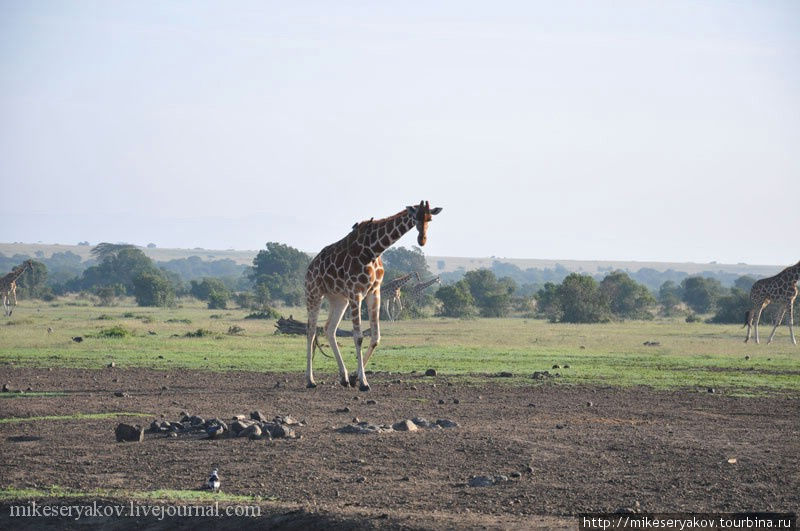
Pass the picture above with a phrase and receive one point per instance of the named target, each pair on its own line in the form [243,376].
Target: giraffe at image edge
[8,286]
[780,289]
[351,270]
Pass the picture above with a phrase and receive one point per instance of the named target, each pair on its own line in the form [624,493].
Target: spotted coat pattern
[780,289]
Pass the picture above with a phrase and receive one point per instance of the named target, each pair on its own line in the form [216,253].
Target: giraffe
[8,285]
[417,290]
[780,289]
[393,287]
[350,270]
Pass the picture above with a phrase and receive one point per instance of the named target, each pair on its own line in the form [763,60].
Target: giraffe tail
[746,318]
[318,346]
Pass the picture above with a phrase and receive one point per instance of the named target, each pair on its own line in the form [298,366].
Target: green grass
[10,494]
[32,394]
[75,416]
[696,355]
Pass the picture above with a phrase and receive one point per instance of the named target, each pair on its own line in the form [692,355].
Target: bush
[732,308]
[114,332]
[201,332]
[457,301]
[581,300]
[269,313]
[217,300]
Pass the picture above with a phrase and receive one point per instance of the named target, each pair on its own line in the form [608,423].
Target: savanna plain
[638,416]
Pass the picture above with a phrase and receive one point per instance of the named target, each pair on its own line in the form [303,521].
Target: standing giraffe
[390,293]
[8,285]
[350,270]
[780,289]
[416,291]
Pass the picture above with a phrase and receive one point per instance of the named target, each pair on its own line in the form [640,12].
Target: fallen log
[292,326]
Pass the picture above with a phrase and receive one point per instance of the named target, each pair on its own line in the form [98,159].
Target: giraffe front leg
[358,339]
[758,318]
[791,321]
[374,304]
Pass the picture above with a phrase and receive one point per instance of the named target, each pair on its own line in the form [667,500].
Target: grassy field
[688,355]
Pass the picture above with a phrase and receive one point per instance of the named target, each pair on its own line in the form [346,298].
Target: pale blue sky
[576,130]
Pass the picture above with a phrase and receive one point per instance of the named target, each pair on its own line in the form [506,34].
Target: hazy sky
[577,130]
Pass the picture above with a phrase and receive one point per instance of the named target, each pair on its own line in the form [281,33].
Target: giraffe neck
[13,276]
[425,285]
[374,237]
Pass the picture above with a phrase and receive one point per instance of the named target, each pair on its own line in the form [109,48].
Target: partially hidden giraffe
[8,285]
[390,293]
[416,291]
[351,270]
[780,289]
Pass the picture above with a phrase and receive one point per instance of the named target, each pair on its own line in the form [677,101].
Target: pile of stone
[414,424]
[258,426]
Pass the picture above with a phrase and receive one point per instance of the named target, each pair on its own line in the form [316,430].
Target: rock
[343,410]
[172,434]
[6,388]
[445,423]
[516,475]
[430,372]
[747,357]
[215,431]
[155,427]
[253,431]
[28,389]
[127,433]
[501,479]
[287,420]
[422,422]
[413,388]
[405,425]
[120,394]
[372,402]
[110,365]
[239,417]
[529,469]
[364,428]
[194,420]
[566,366]
[556,366]
[259,416]
[589,404]
[481,481]
[559,426]
[504,374]
[441,401]
[239,425]
[711,390]
[456,401]
[540,375]
[77,339]
[277,431]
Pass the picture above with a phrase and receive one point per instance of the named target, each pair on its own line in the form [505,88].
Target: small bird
[213,481]
[49,329]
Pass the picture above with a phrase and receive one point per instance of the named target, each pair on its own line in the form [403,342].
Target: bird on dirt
[213,481]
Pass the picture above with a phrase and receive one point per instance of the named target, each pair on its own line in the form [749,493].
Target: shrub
[114,332]
[269,313]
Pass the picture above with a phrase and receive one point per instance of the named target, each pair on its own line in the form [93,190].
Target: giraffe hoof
[363,387]
[344,382]
[311,385]
[353,379]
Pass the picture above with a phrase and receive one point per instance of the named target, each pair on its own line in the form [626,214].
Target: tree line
[278,272]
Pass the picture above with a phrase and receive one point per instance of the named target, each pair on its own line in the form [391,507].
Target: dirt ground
[635,448]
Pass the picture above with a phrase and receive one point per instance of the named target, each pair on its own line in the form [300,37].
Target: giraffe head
[422,214]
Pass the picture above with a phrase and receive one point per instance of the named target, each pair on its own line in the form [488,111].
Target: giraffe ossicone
[350,271]
[780,289]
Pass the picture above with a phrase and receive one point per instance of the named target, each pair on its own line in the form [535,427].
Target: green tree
[282,270]
[33,282]
[627,299]
[492,296]
[203,289]
[152,289]
[398,261]
[457,301]
[581,300]
[732,308]
[669,296]
[701,293]
[548,302]
[118,266]
[744,283]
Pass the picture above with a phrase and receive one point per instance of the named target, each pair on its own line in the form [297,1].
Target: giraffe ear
[435,211]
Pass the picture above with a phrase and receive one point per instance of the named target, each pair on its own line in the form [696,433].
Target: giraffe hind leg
[313,303]
[778,322]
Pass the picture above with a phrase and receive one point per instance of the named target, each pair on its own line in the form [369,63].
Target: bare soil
[632,448]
